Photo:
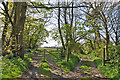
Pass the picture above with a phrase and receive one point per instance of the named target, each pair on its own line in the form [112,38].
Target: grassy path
[84,69]
[33,71]
[55,70]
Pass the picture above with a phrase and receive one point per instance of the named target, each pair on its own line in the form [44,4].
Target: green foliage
[45,69]
[34,50]
[12,68]
[114,52]
[110,70]
[87,63]
[55,55]
[81,55]
[66,66]
[29,55]
[34,31]
[96,54]
[111,67]
[85,67]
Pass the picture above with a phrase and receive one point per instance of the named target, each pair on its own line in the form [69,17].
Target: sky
[51,42]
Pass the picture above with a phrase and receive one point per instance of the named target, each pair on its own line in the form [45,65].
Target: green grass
[12,68]
[88,63]
[85,67]
[82,55]
[66,66]
[48,49]
[109,70]
[35,50]
[45,69]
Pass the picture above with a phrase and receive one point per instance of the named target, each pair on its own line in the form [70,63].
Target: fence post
[44,54]
[103,57]
[119,64]
[118,52]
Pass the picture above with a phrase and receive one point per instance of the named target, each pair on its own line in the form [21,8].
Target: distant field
[49,48]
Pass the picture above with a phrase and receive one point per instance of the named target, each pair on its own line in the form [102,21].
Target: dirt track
[77,72]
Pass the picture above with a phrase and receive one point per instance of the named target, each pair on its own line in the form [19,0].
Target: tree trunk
[61,37]
[13,35]
[5,30]
[91,45]
[95,41]
[66,25]
[34,45]
[20,10]
[71,25]
[119,63]
[103,57]
[106,33]
[106,44]
[98,44]
[29,44]
[116,37]
[67,53]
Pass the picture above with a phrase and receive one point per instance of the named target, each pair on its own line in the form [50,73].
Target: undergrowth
[109,70]
[12,68]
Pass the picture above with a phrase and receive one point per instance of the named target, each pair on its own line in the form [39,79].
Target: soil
[57,72]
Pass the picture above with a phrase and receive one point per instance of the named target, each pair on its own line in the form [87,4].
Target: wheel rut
[57,72]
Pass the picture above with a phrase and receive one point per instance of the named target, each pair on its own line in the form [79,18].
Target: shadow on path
[77,72]
[57,72]
[34,69]
[90,71]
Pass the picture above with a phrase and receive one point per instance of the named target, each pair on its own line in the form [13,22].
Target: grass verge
[45,68]
[12,68]
[109,70]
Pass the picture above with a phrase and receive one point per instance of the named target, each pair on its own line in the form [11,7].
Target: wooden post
[61,52]
[44,54]
[103,57]
[119,64]
[118,52]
